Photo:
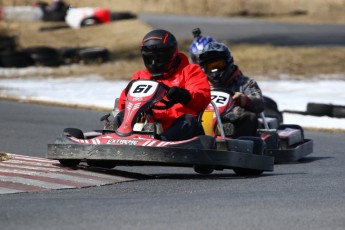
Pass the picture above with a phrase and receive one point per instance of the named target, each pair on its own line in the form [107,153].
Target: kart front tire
[203,169]
[69,163]
[101,163]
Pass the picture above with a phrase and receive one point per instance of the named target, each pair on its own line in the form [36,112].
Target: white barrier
[21,13]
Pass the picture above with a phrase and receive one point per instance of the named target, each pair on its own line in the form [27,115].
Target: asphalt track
[309,194]
[253,31]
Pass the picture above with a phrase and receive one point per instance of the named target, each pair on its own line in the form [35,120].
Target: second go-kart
[136,141]
[285,142]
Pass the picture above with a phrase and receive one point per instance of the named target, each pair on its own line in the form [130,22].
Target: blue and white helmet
[198,45]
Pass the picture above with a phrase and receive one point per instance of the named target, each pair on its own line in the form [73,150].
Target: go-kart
[285,142]
[136,142]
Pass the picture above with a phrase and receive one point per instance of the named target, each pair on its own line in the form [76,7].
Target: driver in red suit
[189,87]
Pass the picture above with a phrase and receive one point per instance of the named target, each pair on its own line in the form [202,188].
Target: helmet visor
[158,56]
[214,65]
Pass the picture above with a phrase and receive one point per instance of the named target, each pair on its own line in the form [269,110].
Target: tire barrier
[321,109]
[44,56]
[15,59]
[317,109]
[95,55]
[51,57]
[7,43]
[338,111]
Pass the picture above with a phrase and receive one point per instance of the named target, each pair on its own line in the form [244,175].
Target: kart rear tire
[101,163]
[247,172]
[203,169]
[69,163]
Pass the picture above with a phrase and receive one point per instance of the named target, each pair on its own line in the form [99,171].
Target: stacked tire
[9,56]
[88,55]
[49,56]
[44,56]
[15,59]
[319,109]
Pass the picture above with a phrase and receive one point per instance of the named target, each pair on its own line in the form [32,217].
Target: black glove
[178,95]
[129,86]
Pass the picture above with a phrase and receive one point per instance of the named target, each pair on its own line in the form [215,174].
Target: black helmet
[217,63]
[160,53]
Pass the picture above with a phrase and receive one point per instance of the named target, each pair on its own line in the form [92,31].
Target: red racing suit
[187,76]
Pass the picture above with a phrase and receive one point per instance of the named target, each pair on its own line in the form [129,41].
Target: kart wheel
[247,172]
[101,163]
[69,163]
[203,169]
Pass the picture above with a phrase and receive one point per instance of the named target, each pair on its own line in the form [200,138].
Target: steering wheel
[167,104]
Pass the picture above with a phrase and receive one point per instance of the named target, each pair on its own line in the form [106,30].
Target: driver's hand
[129,85]
[241,99]
[178,95]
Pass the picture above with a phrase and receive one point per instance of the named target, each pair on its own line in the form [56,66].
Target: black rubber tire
[338,111]
[95,55]
[7,43]
[69,55]
[74,132]
[44,56]
[69,163]
[259,149]
[203,169]
[101,163]
[318,109]
[247,172]
[15,59]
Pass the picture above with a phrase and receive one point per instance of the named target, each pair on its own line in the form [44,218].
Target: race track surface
[304,195]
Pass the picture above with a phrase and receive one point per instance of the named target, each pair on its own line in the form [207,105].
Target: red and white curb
[20,173]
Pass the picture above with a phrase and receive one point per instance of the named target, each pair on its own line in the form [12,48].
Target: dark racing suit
[178,121]
[244,118]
